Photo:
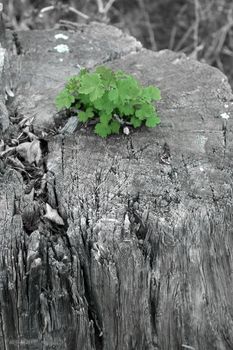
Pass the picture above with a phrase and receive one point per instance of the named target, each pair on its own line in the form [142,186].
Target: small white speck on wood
[61,36]
[126,130]
[62,48]
[225,116]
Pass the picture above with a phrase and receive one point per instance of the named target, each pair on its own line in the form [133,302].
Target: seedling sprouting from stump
[111,99]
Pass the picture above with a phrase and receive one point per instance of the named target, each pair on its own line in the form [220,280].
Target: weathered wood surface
[143,256]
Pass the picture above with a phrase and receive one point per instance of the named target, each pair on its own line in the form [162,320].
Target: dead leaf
[9,92]
[15,162]
[26,121]
[8,151]
[30,134]
[52,215]
[30,151]
[14,142]
[1,145]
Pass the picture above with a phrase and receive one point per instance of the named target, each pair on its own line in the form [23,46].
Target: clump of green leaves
[112,99]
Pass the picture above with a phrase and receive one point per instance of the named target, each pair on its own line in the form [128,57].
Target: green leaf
[152,122]
[102,130]
[104,104]
[113,95]
[126,109]
[128,88]
[84,99]
[82,72]
[146,110]
[135,122]
[64,100]
[105,118]
[120,74]
[115,126]
[77,105]
[104,94]
[151,93]
[73,85]
[107,75]
[91,85]
[84,116]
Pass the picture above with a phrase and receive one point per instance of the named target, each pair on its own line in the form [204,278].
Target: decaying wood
[124,243]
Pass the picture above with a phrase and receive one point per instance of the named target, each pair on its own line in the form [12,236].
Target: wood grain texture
[144,258]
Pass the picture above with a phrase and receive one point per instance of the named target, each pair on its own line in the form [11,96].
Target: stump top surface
[108,246]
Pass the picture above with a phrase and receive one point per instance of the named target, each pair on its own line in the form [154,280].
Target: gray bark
[124,243]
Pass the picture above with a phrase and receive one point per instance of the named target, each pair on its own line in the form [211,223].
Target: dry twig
[104,9]
[196,28]
[148,25]
[71,9]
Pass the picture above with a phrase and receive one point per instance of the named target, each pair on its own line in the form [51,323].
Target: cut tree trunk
[123,243]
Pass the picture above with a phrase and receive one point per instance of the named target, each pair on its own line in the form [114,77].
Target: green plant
[112,99]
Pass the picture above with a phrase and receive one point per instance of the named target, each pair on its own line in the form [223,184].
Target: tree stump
[123,243]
